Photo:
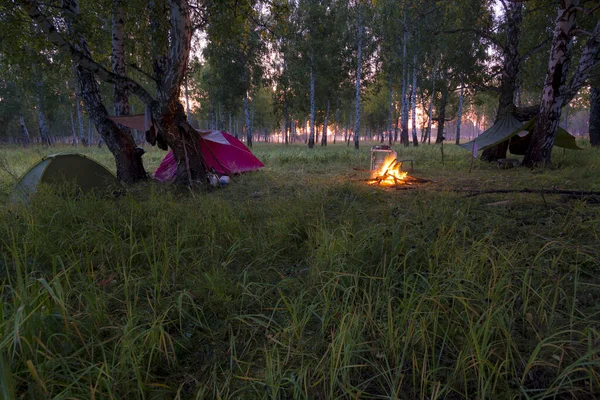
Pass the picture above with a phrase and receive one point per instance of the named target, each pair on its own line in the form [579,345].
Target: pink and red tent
[221,151]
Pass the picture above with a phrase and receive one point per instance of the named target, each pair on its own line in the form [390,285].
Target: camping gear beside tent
[67,168]
[509,128]
[222,152]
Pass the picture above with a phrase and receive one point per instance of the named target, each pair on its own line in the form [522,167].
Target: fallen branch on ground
[574,193]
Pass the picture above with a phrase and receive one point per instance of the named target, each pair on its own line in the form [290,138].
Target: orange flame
[389,174]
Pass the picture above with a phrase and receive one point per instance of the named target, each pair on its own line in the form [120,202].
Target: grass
[300,281]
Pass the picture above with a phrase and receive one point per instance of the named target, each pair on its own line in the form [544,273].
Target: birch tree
[556,92]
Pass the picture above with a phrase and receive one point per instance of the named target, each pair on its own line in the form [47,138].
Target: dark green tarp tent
[68,168]
[508,128]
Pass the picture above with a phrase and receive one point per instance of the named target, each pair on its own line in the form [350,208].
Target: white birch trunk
[358,73]
[553,94]
[247,121]
[460,112]
[390,110]
[311,138]
[430,112]
[73,127]
[325,123]
[414,103]
[25,138]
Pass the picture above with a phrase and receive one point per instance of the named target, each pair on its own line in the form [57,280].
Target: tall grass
[300,281]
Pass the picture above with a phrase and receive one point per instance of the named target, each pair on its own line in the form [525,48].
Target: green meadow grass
[301,281]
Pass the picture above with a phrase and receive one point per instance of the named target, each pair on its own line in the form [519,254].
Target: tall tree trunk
[247,124]
[358,73]
[441,119]
[337,124]
[556,92]
[284,130]
[128,161]
[546,126]
[73,130]
[247,121]
[405,94]
[460,112]
[41,109]
[252,118]
[324,137]
[390,109]
[82,137]
[311,138]
[414,103]
[595,116]
[510,71]
[25,138]
[430,112]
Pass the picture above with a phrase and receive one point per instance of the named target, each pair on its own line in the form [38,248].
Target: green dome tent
[67,168]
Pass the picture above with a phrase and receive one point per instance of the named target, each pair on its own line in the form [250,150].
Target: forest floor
[302,281]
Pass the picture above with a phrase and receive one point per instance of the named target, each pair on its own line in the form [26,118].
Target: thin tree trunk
[324,137]
[247,114]
[460,112]
[252,118]
[25,138]
[337,124]
[44,135]
[247,121]
[405,94]
[595,116]
[441,119]
[284,130]
[430,113]
[311,138]
[390,109]
[82,137]
[73,130]
[414,104]
[187,102]
[358,73]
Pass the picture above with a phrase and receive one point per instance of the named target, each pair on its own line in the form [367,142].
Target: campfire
[386,170]
[389,173]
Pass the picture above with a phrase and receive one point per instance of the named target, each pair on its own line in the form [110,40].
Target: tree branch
[141,71]
[32,9]
[535,50]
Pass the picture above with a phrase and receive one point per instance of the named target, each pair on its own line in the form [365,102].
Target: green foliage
[301,281]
